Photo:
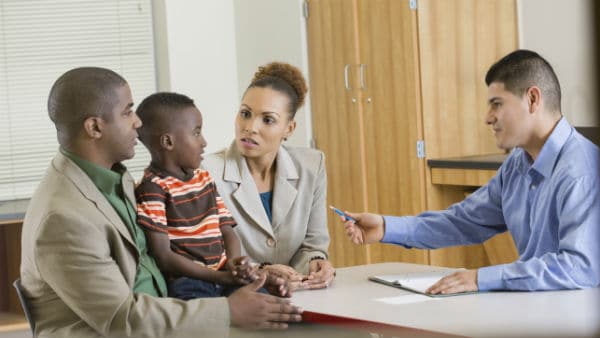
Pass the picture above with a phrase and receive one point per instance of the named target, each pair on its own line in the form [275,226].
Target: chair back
[24,304]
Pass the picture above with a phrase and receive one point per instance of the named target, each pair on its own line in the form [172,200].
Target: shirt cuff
[490,278]
[395,230]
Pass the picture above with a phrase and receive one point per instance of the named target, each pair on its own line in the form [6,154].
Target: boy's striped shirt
[190,212]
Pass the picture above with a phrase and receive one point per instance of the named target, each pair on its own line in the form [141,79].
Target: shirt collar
[107,180]
[162,173]
[544,163]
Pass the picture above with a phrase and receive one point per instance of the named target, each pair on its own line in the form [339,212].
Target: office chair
[24,304]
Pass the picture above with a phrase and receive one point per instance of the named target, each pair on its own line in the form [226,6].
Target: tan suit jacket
[79,264]
[299,228]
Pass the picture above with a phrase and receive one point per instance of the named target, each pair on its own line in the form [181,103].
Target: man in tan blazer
[85,268]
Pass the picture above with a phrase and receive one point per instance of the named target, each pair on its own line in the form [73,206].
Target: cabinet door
[459,40]
[395,179]
[334,103]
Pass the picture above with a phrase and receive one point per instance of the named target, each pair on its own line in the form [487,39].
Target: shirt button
[271,242]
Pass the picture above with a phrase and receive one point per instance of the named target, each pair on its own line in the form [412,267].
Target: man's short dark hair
[80,93]
[522,69]
[156,112]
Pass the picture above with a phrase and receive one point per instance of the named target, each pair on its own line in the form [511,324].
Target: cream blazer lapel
[236,171]
[284,190]
[91,192]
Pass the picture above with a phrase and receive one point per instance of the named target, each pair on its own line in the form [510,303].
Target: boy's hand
[242,270]
[279,272]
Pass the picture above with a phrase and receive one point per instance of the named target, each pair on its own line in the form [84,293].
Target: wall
[197,56]
[209,50]
[273,30]
[563,32]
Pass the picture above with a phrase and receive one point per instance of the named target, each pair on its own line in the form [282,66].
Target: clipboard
[417,282]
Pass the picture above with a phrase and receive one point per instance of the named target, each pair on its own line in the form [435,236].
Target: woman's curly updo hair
[283,78]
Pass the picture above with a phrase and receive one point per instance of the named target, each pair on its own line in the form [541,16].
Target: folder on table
[417,282]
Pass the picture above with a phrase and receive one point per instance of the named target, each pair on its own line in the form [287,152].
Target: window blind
[39,41]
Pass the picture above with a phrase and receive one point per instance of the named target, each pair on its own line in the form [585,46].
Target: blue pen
[341,213]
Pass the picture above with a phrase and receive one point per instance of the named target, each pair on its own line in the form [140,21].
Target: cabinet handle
[346,83]
[362,67]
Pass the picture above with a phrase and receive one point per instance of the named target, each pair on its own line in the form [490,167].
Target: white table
[570,313]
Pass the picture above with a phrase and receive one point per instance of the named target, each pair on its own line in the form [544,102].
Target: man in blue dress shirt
[546,193]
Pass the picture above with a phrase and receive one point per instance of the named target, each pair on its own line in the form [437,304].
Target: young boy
[189,229]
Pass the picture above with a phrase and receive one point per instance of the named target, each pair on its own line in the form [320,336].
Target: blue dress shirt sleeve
[471,221]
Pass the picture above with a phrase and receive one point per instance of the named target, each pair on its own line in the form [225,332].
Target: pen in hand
[341,213]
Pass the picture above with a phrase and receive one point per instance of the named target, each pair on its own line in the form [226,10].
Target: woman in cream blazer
[277,194]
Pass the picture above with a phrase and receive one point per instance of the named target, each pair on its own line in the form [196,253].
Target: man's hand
[460,281]
[367,228]
[252,310]
[320,274]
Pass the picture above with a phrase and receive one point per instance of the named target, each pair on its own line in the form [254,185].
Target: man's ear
[167,141]
[92,127]
[534,98]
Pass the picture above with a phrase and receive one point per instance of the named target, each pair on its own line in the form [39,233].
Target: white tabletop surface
[569,313]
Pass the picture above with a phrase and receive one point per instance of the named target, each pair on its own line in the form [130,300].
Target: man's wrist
[382,228]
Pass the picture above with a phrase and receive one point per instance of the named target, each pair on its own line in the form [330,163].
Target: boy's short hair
[81,93]
[520,70]
[156,112]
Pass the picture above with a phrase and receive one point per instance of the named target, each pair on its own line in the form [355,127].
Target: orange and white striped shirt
[191,213]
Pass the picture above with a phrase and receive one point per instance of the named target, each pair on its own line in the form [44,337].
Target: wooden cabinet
[332,53]
[385,76]
[11,313]
[366,115]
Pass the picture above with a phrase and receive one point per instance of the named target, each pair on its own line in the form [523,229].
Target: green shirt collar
[107,180]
